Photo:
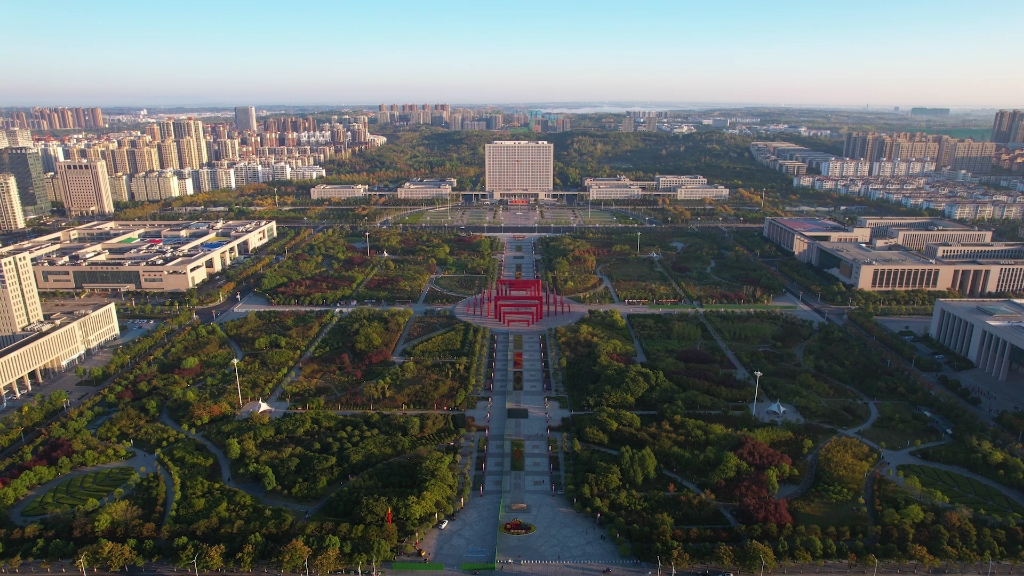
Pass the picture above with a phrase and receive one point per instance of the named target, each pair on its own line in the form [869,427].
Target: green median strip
[477,566]
[723,306]
[420,566]
[750,307]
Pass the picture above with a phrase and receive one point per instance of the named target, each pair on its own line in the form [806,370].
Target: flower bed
[518,528]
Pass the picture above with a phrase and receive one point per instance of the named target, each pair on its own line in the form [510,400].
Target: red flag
[389,515]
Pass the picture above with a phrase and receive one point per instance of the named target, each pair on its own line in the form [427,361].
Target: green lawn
[963,490]
[76,491]
[413,218]
[599,217]
[898,424]
[749,307]
[639,279]
[808,510]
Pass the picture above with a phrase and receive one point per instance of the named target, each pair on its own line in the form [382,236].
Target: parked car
[444,524]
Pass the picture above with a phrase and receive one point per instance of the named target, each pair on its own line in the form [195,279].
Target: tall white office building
[245,118]
[85,187]
[11,215]
[519,170]
[19,297]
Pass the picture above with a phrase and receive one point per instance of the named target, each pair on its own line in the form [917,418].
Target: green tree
[293,556]
[380,551]
[328,561]
[753,553]
[231,449]
[723,556]
[114,555]
[211,557]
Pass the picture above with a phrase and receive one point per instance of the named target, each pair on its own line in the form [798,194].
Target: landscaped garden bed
[79,490]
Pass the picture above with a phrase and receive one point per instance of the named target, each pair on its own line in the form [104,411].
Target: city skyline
[731,54]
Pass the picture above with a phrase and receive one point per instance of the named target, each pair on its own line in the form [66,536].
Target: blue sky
[826,52]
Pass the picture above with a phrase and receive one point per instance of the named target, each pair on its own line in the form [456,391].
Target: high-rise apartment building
[66,118]
[966,154]
[188,156]
[519,170]
[19,297]
[1007,127]
[27,166]
[119,188]
[18,137]
[914,150]
[153,131]
[168,152]
[245,118]
[154,186]
[227,149]
[118,157]
[85,187]
[191,129]
[143,159]
[11,216]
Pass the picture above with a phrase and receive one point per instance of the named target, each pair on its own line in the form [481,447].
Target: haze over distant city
[876,53]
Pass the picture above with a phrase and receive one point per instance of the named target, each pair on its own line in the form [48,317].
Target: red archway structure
[518,301]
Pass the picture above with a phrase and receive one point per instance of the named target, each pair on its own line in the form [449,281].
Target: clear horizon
[738,53]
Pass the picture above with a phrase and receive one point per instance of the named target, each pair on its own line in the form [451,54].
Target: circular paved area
[578,311]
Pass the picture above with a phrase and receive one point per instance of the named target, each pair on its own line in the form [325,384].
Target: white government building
[34,347]
[988,332]
[690,187]
[519,171]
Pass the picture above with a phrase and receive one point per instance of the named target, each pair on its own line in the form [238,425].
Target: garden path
[143,462]
[225,469]
[640,356]
[689,485]
[608,284]
[672,281]
[856,430]
[396,355]
[741,372]
[238,349]
[445,291]
[712,274]
[807,480]
[297,369]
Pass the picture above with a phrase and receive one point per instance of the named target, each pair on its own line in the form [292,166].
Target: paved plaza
[517,413]
[532,215]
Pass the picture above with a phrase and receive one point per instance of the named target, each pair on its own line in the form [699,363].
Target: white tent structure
[254,407]
[777,408]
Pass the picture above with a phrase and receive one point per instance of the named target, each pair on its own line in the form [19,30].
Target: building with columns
[989,333]
[53,346]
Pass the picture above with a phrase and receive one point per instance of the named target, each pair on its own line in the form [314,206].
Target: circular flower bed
[517,528]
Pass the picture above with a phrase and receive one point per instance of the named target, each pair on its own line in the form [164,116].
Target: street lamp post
[237,383]
[367,234]
[638,243]
[757,385]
